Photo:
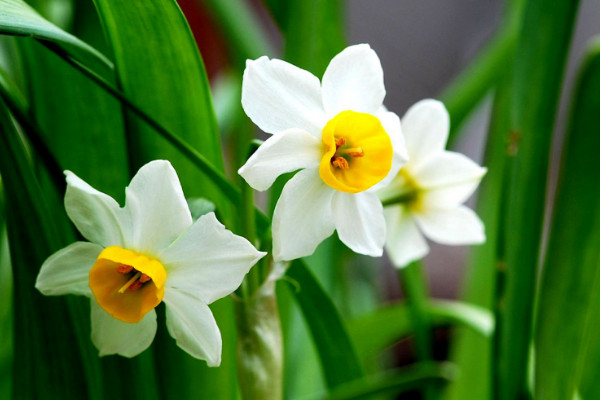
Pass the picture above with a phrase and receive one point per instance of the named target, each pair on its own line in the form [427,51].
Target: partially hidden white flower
[339,135]
[427,195]
[144,253]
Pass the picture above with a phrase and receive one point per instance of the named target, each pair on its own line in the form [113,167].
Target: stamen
[353,151]
[339,142]
[145,278]
[135,286]
[339,162]
[124,268]
[130,282]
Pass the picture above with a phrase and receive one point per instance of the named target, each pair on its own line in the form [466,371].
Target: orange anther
[339,162]
[357,154]
[339,142]
[135,286]
[124,269]
[145,278]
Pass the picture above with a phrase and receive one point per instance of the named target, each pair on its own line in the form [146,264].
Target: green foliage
[540,58]
[567,315]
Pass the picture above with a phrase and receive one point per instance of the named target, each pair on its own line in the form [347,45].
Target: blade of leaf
[6,311]
[374,332]
[538,71]
[70,365]
[569,291]
[396,382]
[18,18]
[339,361]
[175,92]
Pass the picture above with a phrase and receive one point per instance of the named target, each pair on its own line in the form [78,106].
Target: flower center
[127,284]
[404,190]
[357,152]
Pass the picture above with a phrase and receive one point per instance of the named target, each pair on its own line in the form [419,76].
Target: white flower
[340,136]
[144,253]
[428,193]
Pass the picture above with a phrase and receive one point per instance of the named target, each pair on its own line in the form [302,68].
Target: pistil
[130,283]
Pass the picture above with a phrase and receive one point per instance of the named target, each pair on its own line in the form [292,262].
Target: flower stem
[415,291]
[260,349]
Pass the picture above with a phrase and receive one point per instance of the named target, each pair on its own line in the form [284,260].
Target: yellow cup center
[127,284]
[357,152]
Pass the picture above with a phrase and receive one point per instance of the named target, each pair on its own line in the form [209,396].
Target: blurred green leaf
[160,70]
[52,346]
[18,18]
[567,314]
[6,310]
[339,361]
[544,39]
[471,352]
[240,27]
[374,332]
[394,382]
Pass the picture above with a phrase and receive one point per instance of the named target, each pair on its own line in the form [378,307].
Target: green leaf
[6,311]
[18,18]
[541,55]
[471,352]
[567,314]
[538,72]
[69,365]
[396,382]
[241,28]
[339,361]
[374,332]
[160,70]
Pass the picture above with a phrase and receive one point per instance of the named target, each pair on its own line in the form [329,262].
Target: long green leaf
[69,365]
[6,311]
[374,332]
[567,312]
[539,63]
[411,378]
[339,361]
[18,18]
[160,69]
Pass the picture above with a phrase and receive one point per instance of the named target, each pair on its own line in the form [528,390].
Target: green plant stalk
[259,346]
[544,41]
[414,286]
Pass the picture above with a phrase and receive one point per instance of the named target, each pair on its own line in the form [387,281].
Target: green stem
[415,291]
[260,345]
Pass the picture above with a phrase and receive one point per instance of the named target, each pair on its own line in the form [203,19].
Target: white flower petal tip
[455,226]
[426,126]
[353,81]
[285,152]
[193,326]
[277,96]
[139,251]
[404,243]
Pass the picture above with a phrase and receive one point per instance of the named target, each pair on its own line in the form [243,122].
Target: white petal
[96,215]
[159,212]
[67,270]
[359,221]
[448,179]
[277,96]
[453,226]
[112,336]
[353,81]
[425,125]
[193,326]
[404,242]
[302,217]
[285,152]
[391,124]
[209,260]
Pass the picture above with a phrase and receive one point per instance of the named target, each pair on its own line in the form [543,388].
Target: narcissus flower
[142,254]
[341,137]
[427,194]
